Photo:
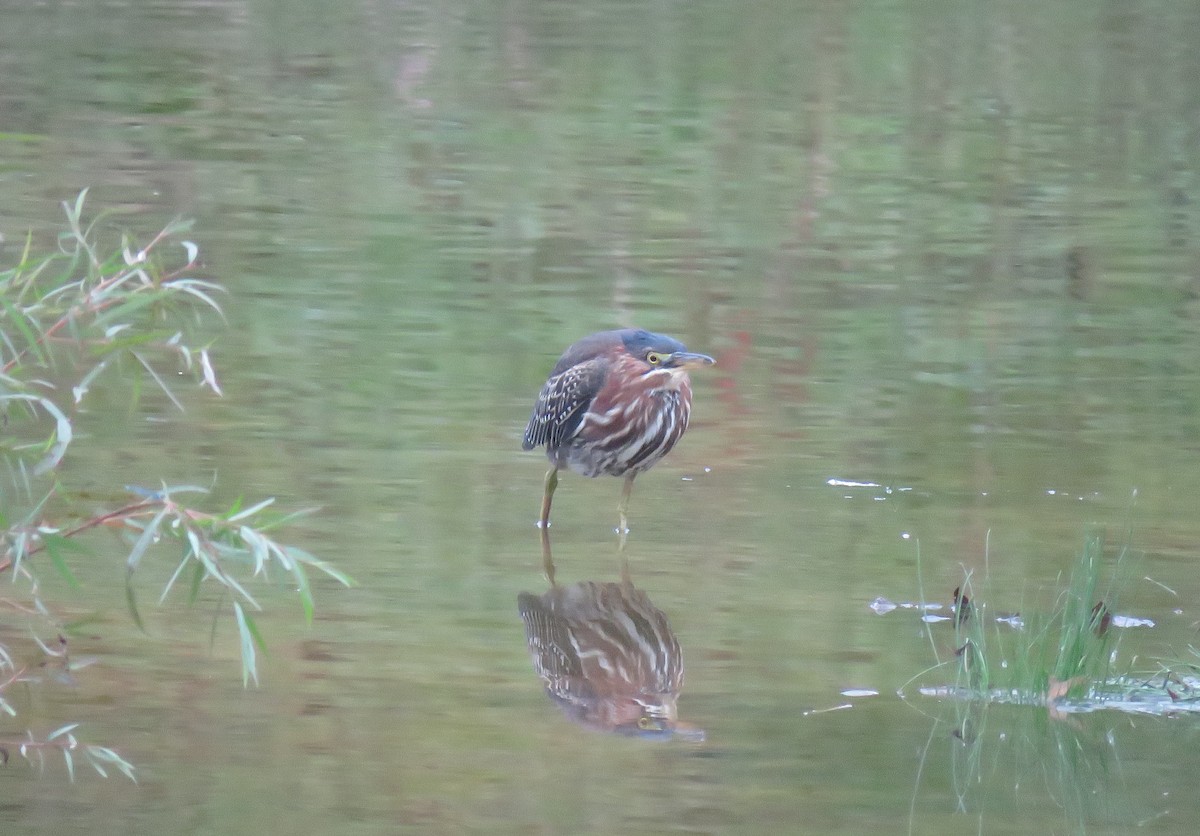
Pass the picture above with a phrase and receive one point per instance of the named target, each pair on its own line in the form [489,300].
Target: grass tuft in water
[1037,657]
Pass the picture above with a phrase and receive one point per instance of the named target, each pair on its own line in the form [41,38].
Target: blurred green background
[949,252]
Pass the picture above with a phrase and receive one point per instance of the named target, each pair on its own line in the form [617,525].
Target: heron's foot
[622,521]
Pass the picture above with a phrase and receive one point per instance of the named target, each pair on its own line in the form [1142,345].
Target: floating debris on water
[808,712]
[882,606]
[931,614]
[1161,696]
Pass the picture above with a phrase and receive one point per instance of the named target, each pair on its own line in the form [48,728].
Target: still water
[947,256]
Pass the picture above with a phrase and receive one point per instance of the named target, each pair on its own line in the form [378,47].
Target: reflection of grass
[1061,659]
[1040,657]
[998,755]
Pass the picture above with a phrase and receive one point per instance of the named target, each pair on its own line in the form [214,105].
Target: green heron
[606,656]
[616,402]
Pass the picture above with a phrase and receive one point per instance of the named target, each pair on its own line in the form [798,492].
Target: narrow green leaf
[135,394]
[59,732]
[62,435]
[306,599]
[135,340]
[177,226]
[284,520]
[197,577]
[31,339]
[258,547]
[208,373]
[131,601]
[169,490]
[146,538]
[80,389]
[205,552]
[76,626]
[55,545]
[16,552]
[12,349]
[300,555]
[116,276]
[197,288]
[126,309]
[161,383]
[253,625]
[280,555]
[78,211]
[232,583]
[201,554]
[252,510]
[106,755]
[96,765]
[174,577]
[250,637]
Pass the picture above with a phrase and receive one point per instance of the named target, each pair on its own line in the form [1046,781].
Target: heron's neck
[676,379]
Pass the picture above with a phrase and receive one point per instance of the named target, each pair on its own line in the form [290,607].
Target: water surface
[946,256]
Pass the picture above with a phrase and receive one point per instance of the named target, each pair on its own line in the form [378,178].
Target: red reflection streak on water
[789,378]
[729,362]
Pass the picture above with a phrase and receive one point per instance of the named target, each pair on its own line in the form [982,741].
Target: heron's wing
[562,402]
[549,639]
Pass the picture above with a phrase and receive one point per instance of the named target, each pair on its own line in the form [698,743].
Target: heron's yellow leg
[547,557]
[626,490]
[547,496]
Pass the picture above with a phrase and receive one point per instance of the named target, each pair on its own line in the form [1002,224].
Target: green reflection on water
[943,247]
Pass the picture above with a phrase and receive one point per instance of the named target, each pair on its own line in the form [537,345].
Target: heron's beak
[689,732]
[688,360]
[660,728]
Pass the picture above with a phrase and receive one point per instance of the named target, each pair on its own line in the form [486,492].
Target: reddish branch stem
[126,511]
[94,308]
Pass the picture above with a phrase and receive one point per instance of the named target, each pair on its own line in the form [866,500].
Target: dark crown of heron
[637,342]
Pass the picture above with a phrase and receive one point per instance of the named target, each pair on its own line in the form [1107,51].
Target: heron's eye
[645,723]
[653,358]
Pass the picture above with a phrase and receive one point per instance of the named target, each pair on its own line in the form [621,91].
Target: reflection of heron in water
[606,654]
